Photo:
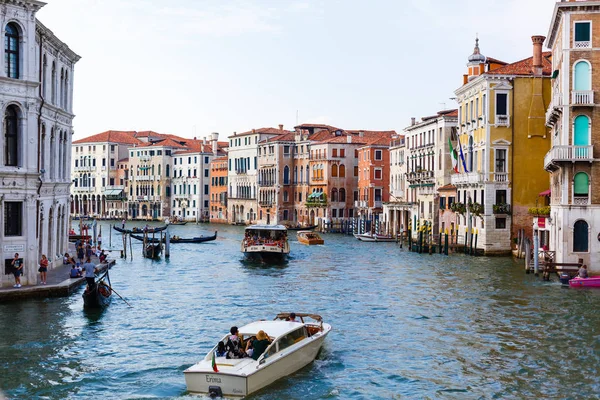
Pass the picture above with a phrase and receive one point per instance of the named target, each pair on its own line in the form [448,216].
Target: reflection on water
[404,325]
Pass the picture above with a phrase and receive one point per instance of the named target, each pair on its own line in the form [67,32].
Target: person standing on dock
[43,268]
[17,265]
[90,273]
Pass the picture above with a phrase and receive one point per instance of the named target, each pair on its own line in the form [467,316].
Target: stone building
[574,118]
[218,190]
[36,94]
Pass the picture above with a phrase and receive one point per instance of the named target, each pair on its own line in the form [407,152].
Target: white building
[36,98]
[242,166]
[397,210]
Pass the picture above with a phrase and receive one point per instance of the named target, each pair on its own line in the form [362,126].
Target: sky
[192,67]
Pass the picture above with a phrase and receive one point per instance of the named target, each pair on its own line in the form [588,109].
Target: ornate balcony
[582,97]
[500,177]
[502,120]
[565,154]
[471,178]
[501,208]
[554,109]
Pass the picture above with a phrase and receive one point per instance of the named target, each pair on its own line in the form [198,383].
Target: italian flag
[214,363]
[454,156]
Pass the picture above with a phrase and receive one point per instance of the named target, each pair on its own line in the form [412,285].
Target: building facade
[36,97]
[218,190]
[397,209]
[573,115]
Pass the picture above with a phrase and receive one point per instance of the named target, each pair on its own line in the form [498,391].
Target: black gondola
[179,223]
[152,250]
[175,239]
[302,228]
[140,230]
[100,295]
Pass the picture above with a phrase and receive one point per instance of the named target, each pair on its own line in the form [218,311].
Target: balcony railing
[573,154]
[377,204]
[265,203]
[502,120]
[266,183]
[500,177]
[583,44]
[554,109]
[501,208]
[471,178]
[582,97]
[581,200]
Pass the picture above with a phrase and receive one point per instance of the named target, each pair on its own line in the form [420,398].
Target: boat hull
[584,282]
[374,238]
[282,364]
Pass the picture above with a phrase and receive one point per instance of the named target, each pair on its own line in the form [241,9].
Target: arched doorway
[50,233]
[144,210]
[312,217]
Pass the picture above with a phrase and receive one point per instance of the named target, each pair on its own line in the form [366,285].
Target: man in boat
[90,273]
[582,273]
[234,344]
[292,318]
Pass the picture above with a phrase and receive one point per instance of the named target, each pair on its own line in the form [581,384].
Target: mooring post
[476,234]
[446,242]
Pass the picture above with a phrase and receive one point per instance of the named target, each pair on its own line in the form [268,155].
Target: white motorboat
[267,241]
[368,237]
[293,346]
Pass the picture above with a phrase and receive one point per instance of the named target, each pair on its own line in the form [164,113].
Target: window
[342,152]
[378,173]
[378,155]
[442,203]
[112,181]
[500,160]
[582,77]
[581,135]
[581,185]
[334,171]
[13,218]
[580,237]
[206,189]
[285,197]
[500,223]
[11,137]
[500,196]
[11,51]
[355,171]
[205,173]
[582,34]
[334,153]
[286,175]
[501,104]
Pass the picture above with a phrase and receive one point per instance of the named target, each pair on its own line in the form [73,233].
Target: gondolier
[90,273]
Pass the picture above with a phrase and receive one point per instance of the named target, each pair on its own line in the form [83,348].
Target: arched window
[53,83]
[11,136]
[342,194]
[301,173]
[286,175]
[44,76]
[581,185]
[334,195]
[342,171]
[167,171]
[296,174]
[66,99]
[61,92]
[582,76]
[307,175]
[11,51]
[580,237]
[285,196]
[159,172]
[582,131]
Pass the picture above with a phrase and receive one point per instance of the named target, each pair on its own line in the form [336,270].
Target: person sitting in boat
[292,318]
[72,232]
[582,273]
[259,345]
[102,256]
[221,352]
[234,344]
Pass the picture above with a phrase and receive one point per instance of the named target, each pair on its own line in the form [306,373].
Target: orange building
[218,190]
[373,178]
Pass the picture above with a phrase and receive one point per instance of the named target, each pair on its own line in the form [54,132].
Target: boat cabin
[265,235]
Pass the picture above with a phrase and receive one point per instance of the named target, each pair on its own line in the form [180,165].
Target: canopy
[315,195]
[114,194]
[545,193]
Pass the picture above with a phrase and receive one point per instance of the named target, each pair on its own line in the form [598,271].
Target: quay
[59,283]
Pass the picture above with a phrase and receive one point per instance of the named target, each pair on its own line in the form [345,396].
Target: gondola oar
[121,297]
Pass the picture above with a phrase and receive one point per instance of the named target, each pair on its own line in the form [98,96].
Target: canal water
[405,326]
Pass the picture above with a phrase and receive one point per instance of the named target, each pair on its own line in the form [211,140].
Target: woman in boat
[582,273]
[259,345]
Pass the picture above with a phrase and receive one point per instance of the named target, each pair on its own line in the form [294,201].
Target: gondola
[178,223]
[140,230]
[175,239]
[302,228]
[152,250]
[100,295]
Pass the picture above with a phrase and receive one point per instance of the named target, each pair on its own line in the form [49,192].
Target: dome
[476,57]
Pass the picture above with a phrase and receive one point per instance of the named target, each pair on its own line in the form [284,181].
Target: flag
[462,156]
[214,363]
[454,156]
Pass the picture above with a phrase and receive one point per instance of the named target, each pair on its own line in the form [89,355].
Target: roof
[121,137]
[322,126]
[274,329]
[161,143]
[267,227]
[491,60]
[275,131]
[525,67]
[447,187]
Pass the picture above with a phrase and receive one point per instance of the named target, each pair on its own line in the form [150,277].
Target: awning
[315,195]
[114,194]
[545,193]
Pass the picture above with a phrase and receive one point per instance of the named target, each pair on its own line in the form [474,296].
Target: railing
[581,200]
[377,204]
[501,208]
[554,109]
[568,154]
[265,203]
[501,120]
[500,177]
[582,97]
[470,178]
[241,171]
[266,183]
[583,44]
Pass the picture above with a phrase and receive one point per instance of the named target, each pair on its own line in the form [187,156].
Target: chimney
[280,127]
[349,139]
[538,41]
[361,134]
[253,130]
[195,138]
[465,79]
[204,140]
[215,144]
[413,121]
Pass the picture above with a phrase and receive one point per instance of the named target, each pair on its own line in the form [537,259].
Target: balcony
[581,200]
[500,177]
[502,120]
[554,109]
[560,154]
[582,97]
[471,178]
[266,183]
[501,208]
[582,44]
[377,204]
[265,203]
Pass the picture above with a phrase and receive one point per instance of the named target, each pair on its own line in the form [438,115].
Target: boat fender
[599,237]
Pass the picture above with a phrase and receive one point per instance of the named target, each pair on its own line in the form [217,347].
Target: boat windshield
[263,236]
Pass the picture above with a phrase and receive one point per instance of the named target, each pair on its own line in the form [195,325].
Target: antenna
[296,117]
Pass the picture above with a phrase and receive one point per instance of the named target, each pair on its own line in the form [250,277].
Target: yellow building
[503,140]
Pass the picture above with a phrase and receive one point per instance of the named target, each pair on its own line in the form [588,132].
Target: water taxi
[267,241]
[374,237]
[293,345]
[309,237]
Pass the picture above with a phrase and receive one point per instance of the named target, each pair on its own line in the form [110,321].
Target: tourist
[88,250]
[90,273]
[75,272]
[583,273]
[80,253]
[102,256]
[260,344]
[234,344]
[123,224]
[99,241]
[43,269]
[66,258]
[17,265]
[292,318]
[221,349]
